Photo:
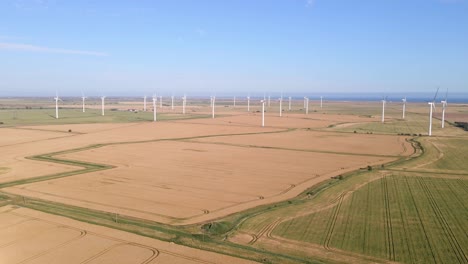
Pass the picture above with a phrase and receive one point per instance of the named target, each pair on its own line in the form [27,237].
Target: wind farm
[213,132]
[85,153]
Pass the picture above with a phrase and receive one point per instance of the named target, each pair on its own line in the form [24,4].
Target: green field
[400,218]
[11,117]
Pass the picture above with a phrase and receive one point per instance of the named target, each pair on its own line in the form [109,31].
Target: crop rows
[399,218]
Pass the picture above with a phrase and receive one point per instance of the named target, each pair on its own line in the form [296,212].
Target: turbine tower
[281,106]
[289,103]
[432,106]
[172,102]
[184,101]
[321,102]
[83,98]
[160,101]
[234,102]
[263,112]
[248,103]
[404,107]
[213,98]
[306,103]
[144,103]
[268,100]
[444,106]
[102,104]
[384,101]
[155,98]
[56,98]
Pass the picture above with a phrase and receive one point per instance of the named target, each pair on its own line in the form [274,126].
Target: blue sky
[232,46]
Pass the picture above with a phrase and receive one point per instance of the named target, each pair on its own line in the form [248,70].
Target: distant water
[395,97]
[410,97]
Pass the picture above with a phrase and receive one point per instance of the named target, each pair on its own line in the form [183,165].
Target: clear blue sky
[136,46]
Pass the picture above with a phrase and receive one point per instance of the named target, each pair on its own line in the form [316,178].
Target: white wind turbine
[102,104]
[213,99]
[384,101]
[172,102]
[56,98]
[248,103]
[444,106]
[144,103]
[280,106]
[432,106]
[306,103]
[289,103]
[263,112]
[404,107]
[234,102]
[184,101]
[321,102]
[155,98]
[83,98]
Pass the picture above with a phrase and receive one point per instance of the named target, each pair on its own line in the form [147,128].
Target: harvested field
[14,136]
[13,156]
[28,236]
[289,120]
[323,141]
[182,182]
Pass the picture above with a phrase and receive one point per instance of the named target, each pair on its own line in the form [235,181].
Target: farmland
[332,186]
[34,237]
[400,218]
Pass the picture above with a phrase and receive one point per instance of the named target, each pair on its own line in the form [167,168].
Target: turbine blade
[433,100]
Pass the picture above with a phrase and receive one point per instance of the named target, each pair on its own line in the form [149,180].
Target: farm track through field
[155,252]
[388,221]
[331,224]
[404,222]
[455,245]
[431,249]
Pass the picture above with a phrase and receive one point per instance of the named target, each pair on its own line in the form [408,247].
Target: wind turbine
[280,106]
[234,102]
[444,106]
[321,102]
[213,98]
[155,98]
[404,107]
[268,100]
[289,103]
[306,103]
[172,102]
[160,101]
[432,105]
[248,103]
[144,103]
[56,98]
[184,100]
[83,98]
[102,104]
[384,101]
[263,112]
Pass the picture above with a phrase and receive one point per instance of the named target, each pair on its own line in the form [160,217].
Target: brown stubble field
[29,236]
[191,171]
[185,172]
